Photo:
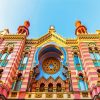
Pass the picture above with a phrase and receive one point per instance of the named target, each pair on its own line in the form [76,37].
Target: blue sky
[43,13]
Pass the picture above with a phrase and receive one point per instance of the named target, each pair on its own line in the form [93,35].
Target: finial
[77,23]
[52,29]
[27,24]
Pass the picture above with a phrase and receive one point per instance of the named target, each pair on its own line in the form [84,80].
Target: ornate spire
[24,29]
[80,29]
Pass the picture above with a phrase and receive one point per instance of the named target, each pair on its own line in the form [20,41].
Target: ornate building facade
[50,67]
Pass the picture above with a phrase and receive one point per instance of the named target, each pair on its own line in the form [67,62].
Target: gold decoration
[59,95]
[51,65]
[38,95]
[49,95]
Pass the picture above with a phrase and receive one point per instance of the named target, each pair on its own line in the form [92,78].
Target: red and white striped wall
[88,65]
[10,69]
[26,73]
[73,72]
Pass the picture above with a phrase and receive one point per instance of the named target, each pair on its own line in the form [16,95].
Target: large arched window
[6,53]
[5,56]
[76,59]
[77,62]
[23,62]
[95,55]
[17,84]
[42,87]
[82,84]
[50,87]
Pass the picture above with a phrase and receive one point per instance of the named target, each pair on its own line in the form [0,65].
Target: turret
[80,29]
[24,28]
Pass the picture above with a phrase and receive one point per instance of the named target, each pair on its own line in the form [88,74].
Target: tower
[24,28]
[80,29]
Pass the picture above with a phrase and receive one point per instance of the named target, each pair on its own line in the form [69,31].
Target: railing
[50,95]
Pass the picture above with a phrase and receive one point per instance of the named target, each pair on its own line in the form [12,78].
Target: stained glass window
[82,85]
[6,54]
[95,56]
[77,63]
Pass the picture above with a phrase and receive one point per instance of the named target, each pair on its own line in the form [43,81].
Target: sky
[44,13]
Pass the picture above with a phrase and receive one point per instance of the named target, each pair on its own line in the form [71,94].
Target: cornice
[31,41]
[71,42]
[13,37]
[88,37]
[54,37]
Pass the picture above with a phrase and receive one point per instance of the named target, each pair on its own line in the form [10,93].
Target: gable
[51,38]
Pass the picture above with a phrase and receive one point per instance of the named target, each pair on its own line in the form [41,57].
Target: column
[73,73]
[88,65]
[27,70]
